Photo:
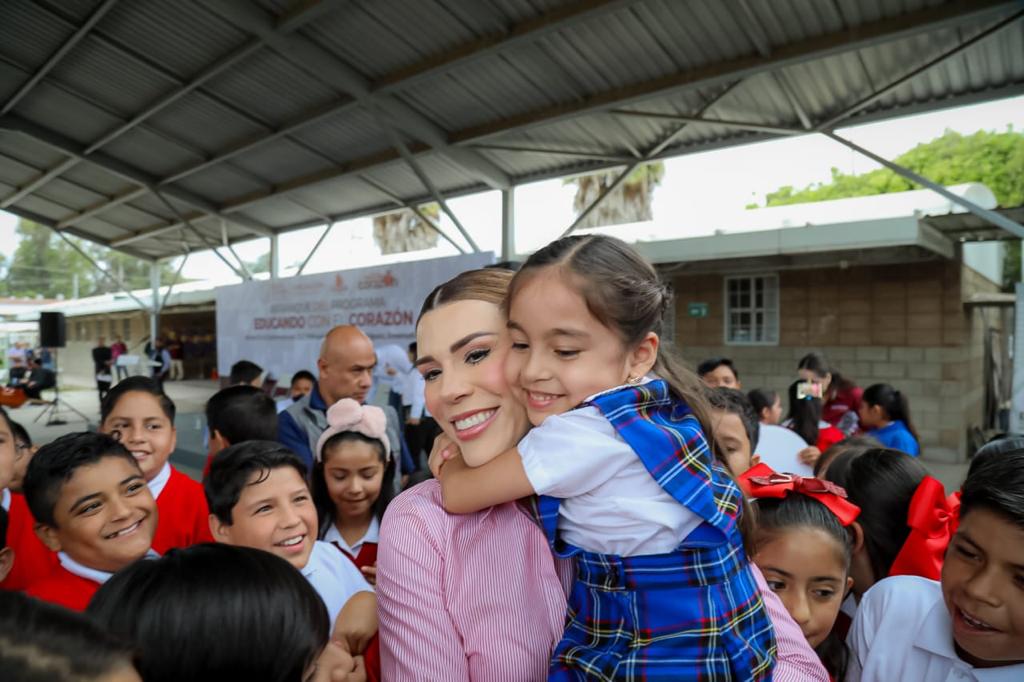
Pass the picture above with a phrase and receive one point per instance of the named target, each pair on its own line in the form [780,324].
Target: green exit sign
[697,309]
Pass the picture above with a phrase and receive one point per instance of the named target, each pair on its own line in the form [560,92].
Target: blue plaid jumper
[692,614]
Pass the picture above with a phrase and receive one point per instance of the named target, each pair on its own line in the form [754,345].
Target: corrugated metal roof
[268,113]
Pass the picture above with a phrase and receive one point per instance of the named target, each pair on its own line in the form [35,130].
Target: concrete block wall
[936,402]
[899,324]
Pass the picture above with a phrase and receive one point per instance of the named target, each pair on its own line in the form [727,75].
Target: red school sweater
[64,588]
[32,558]
[184,517]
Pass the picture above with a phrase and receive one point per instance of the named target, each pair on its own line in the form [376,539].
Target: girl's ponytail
[893,402]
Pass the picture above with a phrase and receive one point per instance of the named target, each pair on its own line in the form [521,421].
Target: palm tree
[630,202]
[404,230]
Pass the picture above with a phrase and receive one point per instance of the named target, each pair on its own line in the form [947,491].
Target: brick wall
[903,325]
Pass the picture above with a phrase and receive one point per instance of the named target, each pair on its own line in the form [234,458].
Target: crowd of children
[684,555]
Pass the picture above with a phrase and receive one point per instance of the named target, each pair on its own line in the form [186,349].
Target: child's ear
[48,536]
[217,442]
[849,586]
[644,355]
[857,532]
[220,531]
[6,562]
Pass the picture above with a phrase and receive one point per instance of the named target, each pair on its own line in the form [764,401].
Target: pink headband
[348,415]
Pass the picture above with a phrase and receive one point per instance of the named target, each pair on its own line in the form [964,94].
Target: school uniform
[334,577]
[184,517]
[31,557]
[363,552]
[903,632]
[645,606]
[69,584]
[897,436]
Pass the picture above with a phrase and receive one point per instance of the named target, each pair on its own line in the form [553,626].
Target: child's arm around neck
[465,490]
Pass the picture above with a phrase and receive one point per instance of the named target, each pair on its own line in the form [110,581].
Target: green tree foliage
[996,159]
[45,265]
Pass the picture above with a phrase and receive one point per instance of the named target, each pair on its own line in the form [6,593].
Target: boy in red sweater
[138,413]
[6,553]
[32,558]
[92,506]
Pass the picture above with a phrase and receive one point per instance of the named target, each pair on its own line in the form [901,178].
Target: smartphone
[808,389]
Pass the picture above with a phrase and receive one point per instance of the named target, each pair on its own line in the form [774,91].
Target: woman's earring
[633,381]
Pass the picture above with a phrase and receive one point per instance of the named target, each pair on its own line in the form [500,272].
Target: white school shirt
[334,577]
[610,502]
[5,499]
[903,633]
[159,482]
[372,534]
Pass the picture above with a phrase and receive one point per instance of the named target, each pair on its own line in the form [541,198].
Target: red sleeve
[372,659]
[32,558]
[828,437]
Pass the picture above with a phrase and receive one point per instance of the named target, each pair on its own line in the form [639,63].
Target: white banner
[279,324]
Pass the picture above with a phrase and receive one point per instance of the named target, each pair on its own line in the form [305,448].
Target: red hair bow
[761,481]
[933,519]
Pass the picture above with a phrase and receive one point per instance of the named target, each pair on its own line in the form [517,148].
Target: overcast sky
[697,191]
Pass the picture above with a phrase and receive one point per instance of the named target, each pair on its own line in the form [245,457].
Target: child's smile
[983,587]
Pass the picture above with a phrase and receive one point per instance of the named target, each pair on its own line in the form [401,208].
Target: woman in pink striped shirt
[477,597]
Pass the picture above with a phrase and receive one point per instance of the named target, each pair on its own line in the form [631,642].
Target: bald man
[345,368]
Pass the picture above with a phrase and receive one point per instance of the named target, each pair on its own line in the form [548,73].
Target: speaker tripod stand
[58,407]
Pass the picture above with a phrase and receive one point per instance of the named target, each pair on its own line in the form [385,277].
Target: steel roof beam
[59,54]
[330,69]
[212,71]
[835,43]
[121,169]
[515,35]
[414,206]
[96,209]
[866,35]
[592,156]
[700,120]
[47,222]
[993,217]
[882,92]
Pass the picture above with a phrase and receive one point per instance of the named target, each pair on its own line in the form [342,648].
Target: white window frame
[764,310]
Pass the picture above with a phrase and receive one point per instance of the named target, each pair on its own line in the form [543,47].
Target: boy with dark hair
[258,497]
[302,384]
[735,427]
[23,451]
[715,372]
[92,506]
[237,414]
[245,372]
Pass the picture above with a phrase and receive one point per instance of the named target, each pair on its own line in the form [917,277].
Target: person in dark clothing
[102,359]
[38,379]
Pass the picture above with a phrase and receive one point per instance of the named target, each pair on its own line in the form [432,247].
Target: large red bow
[761,481]
[933,519]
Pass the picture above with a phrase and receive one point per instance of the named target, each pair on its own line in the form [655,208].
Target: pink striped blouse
[477,597]
[465,597]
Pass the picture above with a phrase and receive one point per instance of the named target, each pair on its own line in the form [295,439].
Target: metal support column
[508,224]
[154,312]
[275,256]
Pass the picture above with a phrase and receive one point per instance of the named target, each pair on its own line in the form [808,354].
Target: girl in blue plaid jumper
[627,481]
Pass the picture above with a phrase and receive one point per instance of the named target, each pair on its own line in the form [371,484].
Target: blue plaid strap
[668,439]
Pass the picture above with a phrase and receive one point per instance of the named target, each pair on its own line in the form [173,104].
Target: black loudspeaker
[51,330]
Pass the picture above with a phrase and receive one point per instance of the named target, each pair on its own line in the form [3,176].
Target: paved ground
[190,397]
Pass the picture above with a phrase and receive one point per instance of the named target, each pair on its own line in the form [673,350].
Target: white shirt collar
[936,637]
[372,534]
[5,499]
[72,566]
[156,486]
